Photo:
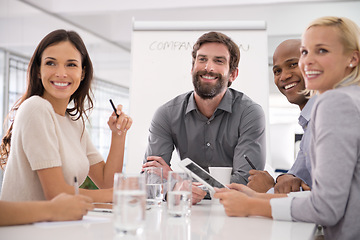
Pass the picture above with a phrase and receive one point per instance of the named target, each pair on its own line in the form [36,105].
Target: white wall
[22,26]
[161,70]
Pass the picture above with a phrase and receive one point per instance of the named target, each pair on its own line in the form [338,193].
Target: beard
[208,90]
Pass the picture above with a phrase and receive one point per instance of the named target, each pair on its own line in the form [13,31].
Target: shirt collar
[225,104]
[305,114]
[191,103]
[226,101]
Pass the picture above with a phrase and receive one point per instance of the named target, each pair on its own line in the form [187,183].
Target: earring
[351,65]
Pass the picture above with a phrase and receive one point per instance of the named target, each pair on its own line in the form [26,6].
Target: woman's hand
[235,202]
[244,189]
[69,207]
[121,124]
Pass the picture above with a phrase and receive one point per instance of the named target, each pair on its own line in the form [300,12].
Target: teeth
[312,72]
[290,86]
[208,77]
[61,84]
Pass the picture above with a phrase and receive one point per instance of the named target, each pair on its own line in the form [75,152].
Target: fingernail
[118,126]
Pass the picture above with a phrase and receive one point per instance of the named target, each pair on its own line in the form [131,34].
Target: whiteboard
[161,69]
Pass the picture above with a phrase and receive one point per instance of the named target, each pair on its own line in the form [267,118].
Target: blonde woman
[329,62]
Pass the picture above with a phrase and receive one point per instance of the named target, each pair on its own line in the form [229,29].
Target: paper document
[85,220]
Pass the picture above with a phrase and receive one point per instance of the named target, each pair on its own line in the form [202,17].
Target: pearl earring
[351,65]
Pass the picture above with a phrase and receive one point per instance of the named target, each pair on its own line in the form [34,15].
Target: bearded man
[213,125]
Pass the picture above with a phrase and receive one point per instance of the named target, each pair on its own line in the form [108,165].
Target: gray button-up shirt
[237,127]
[302,165]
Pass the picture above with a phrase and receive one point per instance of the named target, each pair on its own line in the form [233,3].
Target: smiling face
[287,75]
[60,71]
[211,71]
[323,61]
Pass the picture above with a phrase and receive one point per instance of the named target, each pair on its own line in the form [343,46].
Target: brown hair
[218,37]
[35,86]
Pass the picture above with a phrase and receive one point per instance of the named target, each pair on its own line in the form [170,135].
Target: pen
[248,160]
[102,210]
[113,106]
[145,162]
[76,186]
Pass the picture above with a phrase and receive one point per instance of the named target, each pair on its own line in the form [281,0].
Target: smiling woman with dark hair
[47,145]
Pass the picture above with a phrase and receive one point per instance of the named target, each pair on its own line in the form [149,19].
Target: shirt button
[208,144]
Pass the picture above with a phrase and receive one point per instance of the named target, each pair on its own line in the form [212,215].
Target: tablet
[200,174]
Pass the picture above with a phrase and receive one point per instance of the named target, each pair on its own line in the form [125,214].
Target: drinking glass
[154,185]
[179,194]
[129,203]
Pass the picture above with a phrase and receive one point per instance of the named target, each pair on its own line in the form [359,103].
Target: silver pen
[76,186]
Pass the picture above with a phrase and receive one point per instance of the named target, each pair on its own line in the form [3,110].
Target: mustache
[203,72]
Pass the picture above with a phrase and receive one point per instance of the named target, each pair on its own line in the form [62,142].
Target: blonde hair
[349,34]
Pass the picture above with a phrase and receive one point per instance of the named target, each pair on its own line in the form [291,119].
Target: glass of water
[154,185]
[179,194]
[129,203]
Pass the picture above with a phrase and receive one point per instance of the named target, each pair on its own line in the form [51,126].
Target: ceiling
[106,25]
[112,19]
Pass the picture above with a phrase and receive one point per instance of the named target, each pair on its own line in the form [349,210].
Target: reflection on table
[207,221]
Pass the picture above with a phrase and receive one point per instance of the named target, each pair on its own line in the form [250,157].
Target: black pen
[113,106]
[145,162]
[248,160]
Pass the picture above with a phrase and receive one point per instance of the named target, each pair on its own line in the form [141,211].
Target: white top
[281,207]
[43,139]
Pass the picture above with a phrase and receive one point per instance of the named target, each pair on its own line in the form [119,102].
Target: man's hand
[260,181]
[289,183]
[154,161]
[197,193]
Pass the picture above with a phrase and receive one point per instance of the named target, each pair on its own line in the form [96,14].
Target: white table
[208,221]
